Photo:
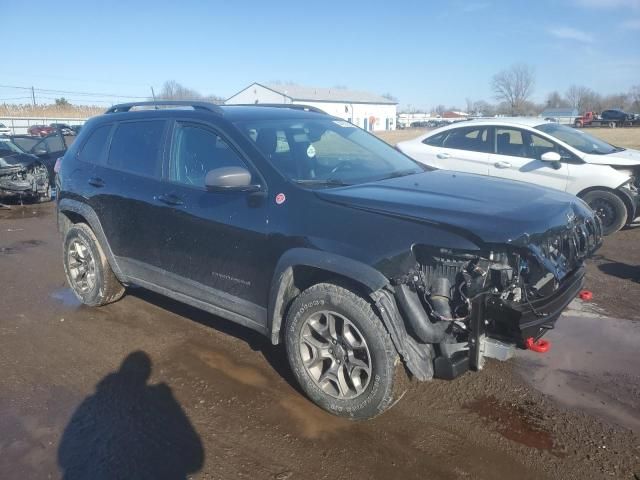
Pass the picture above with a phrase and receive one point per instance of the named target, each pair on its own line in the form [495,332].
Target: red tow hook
[540,345]
[586,295]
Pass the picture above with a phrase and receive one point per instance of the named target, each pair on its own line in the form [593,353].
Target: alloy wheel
[335,355]
[81,266]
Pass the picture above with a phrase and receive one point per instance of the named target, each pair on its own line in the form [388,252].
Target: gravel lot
[162,390]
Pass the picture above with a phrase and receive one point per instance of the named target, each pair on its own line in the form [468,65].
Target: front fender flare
[370,278]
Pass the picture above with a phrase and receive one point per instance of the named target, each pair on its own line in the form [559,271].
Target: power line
[71,92]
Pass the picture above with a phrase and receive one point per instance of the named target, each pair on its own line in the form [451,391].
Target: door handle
[502,165]
[169,199]
[443,155]
[96,182]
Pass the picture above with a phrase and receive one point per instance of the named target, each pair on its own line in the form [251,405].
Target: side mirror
[226,179]
[551,157]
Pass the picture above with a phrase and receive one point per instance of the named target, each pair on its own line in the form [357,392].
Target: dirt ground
[150,388]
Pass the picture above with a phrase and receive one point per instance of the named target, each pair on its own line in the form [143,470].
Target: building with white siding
[366,110]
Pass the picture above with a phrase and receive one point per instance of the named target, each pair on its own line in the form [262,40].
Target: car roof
[168,109]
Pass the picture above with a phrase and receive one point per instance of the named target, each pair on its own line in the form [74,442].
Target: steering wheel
[343,165]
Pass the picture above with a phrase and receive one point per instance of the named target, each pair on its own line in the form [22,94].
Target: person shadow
[129,429]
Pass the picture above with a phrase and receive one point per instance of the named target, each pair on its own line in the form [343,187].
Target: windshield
[326,152]
[578,139]
[8,148]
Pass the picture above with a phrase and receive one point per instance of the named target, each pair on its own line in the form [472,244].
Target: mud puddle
[16,212]
[19,247]
[66,297]
[593,365]
[514,422]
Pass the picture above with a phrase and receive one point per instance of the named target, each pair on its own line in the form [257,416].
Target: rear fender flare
[67,205]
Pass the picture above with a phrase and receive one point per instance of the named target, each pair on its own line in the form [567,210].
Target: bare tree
[483,108]
[582,98]
[613,101]
[634,97]
[514,86]
[555,100]
[440,109]
[172,90]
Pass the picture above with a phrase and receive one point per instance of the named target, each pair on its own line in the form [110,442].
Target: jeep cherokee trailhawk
[320,236]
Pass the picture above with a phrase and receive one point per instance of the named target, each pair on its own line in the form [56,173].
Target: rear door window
[94,149]
[509,141]
[474,139]
[136,147]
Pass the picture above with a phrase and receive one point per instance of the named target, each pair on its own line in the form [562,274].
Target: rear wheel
[341,354]
[610,209]
[88,272]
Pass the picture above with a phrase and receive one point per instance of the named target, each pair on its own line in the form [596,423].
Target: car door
[122,191]
[464,149]
[48,150]
[517,157]
[214,244]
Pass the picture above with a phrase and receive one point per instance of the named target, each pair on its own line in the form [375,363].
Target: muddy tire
[609,207]
[88,272]
[341,354]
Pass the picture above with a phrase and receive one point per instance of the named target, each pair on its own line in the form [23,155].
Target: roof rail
[125,107]
[294,106]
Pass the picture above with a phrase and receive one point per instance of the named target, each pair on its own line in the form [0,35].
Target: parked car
[40,130]
[66,130]
[47,149]
[76,129]
[4,130]
[615,114]
[317,234]
[541,153]
[22,175]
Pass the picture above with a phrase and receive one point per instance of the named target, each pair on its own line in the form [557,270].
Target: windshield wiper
[333,182]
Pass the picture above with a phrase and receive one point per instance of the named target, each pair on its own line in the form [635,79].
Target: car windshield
[578,139]
[7,147]
[326,152]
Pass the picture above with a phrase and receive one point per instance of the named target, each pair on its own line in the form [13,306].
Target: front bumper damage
[454,309]
[24,181]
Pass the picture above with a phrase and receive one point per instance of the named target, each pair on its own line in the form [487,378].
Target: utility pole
[33,96]
[153,94]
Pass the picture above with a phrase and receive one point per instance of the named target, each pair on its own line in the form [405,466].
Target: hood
[12,160]
[484,208]
[626,158]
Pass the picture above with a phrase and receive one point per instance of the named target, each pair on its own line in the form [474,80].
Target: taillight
[56,167]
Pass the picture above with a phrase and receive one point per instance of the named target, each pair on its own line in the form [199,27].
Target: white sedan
[540,152]
[4,130]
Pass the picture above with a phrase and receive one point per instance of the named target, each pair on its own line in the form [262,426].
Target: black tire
[105,287]
[384,386]
[609,207]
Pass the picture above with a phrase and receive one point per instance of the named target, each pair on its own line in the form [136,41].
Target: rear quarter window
[94,148]
[136,147]
[436,140]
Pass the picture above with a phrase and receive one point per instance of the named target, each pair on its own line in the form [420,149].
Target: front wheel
[610,209]
[340,352]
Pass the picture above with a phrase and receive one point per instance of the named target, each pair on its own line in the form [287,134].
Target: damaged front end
[28,180]
[460,307]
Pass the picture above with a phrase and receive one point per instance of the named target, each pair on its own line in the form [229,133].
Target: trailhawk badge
[280,198]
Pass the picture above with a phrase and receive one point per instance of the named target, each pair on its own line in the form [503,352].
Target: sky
[425,53]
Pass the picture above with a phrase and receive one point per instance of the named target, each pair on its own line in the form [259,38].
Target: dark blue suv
[317,234]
